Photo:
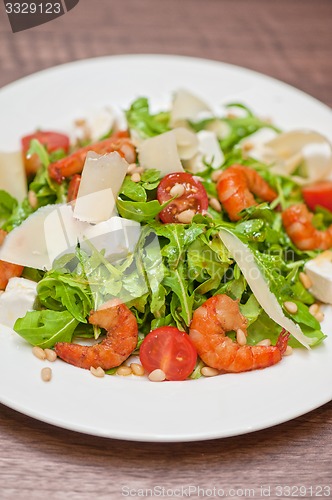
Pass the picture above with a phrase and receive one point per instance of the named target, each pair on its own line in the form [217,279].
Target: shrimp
[212,320]
[298,225]
[236,187]
[7,270]
[121,339]
[74,163]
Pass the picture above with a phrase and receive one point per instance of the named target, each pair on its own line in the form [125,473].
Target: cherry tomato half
[170,350]
[52,142]
[318,194]
[193,196]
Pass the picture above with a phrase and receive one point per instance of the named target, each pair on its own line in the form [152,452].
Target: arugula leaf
[37,148]
[241,127]
[133,190]
[304,317]
[164,321]
[58,291]
[150,176]
[155,273]
[140,211]
[7,205]
[204,263]
[251,309]
[47,191]
[19,214]
[46,328]
[147,125]
[180,237]
[179,285]
[263,328]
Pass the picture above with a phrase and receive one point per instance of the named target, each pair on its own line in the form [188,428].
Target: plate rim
[132,435]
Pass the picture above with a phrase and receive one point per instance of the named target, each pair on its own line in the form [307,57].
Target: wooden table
[288,39]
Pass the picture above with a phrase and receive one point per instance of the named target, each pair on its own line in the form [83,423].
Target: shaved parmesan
[310,151]
[252,273]
[102,178]
[101,123]
[161,152]
[319,271]
[53,231]
[208,151]
[187,142]
[98,124]
[219,127]
[254,145]
[186,106]
[12,175]
[26,244]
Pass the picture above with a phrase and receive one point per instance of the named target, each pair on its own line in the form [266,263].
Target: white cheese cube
[17,300]
[319,271]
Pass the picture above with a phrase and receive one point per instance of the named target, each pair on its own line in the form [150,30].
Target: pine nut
[305,280]
[131,168]
[290,307]
[319,316]
[241,337]
[32,198]
[247,146]
[157,376]
[39,353]
[136,177]
[97,372]
[265,343]
[289,351]
[137,369]
[207,371]
[177,190]
[313,309]
[46,374]
[124,371]
[186,216]
[50,355]
[215,175]
[80,122]
[215,204]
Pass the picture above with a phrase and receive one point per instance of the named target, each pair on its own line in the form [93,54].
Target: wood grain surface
[288,39]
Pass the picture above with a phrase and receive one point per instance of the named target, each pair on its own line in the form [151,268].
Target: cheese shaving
[254,276]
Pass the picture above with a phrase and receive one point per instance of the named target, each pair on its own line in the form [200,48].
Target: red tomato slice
[318,194]
[194,196]
[170,350]
[51,140]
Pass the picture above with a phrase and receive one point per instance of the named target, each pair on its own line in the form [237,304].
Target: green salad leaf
[20,212]
[140,211]
[175,268]
[146,124]
[7,204]
[47,327]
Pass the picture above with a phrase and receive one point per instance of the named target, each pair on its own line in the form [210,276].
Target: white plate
[136,409]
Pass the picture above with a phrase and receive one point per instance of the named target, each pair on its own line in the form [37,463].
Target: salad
[179,244]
